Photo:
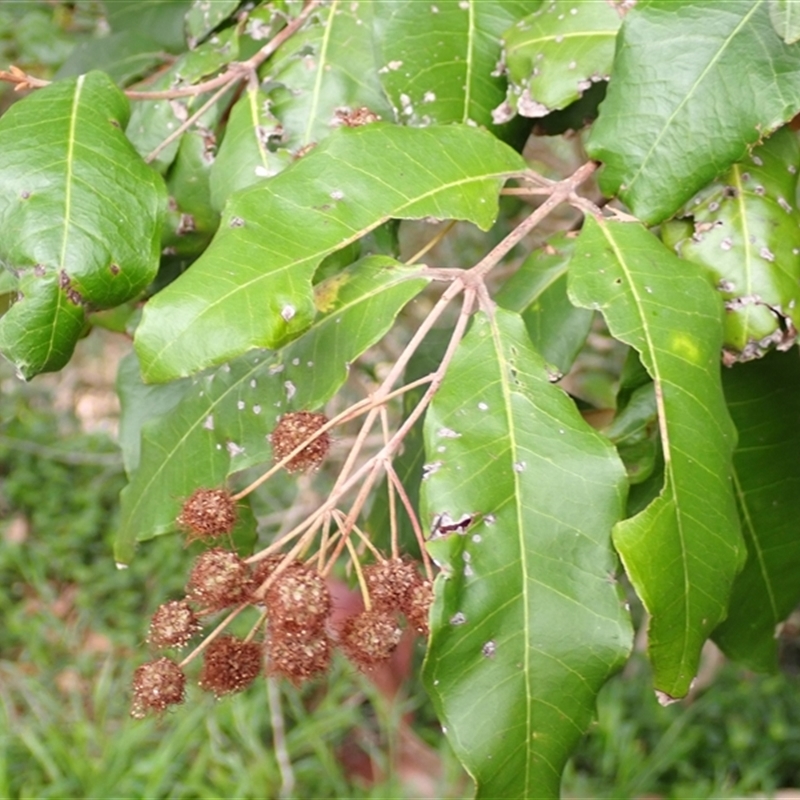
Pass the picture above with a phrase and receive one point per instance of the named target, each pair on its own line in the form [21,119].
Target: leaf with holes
[252,286]
[245,155]
[554,55]
[79,216]
[680,109]
[684,550]
[325,72]
[221,424]
[764,400]
[745,228]
[438,60]
[527,622]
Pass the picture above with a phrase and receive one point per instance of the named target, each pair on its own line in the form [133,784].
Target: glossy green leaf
[245,156]
[205,15]
[683,551]
[764,401]
[325,70]
[555,54]
[680,109]
[252,287]
[785,16]
[527,625]
[79,216]
[438,60]
[220,426]
[538,290]
[746,231]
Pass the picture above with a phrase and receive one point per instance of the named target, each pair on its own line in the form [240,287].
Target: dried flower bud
[292,430]
[230,665]
[207,514]
[390,583]
[299,599]
[418,607]
[173,625]
[219,578]
[157,685]
[296,655]
[370,637]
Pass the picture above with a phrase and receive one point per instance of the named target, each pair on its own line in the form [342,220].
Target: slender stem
[395,481]
[390,489]
[213,635]
[432,243]
[279,740]
[359,573]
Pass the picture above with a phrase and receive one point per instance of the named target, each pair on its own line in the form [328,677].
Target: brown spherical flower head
[173,625]
[292,430]
[370,637]
[390,583]
[299,599]
[296,655]
[219,578]
[157,685]
[261,571]
[418,607]
[207,514]
[230,665]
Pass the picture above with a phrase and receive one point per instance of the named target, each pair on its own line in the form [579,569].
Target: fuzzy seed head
[299,599]
[157,685]
[370,637]
[418,607]
[173,625]
[219,579]
[390,583]
[207,514]
[293,429]
[230,665]
[296,655]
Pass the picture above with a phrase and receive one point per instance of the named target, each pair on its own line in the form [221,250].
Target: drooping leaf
[746,231]
[555,54]
[245,157]
[785,16]
[764,401]
[252,286]
[437,59]
[538,290]
[79,216]
[683,551]
[220,425]
[326,70]
[682,107]
[527,624]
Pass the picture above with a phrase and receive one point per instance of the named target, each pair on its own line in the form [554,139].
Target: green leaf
[764,401]
[205,15]
[161,20]
[220,426]
[785,16]
[252,287]
[326,67]
[245,157]
[79,216]
[746,231]
[437,60]
[683,551]
[152,121]
[538,290]
[554,55]
[527,622]
[679,109]
[190,221]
